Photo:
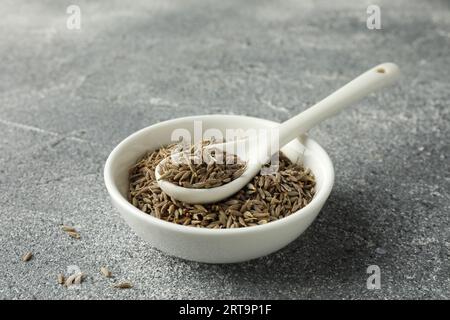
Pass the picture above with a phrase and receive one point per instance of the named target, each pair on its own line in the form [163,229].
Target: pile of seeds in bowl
[266,198]
[198,168]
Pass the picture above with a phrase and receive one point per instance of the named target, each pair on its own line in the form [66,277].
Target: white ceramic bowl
[214,245]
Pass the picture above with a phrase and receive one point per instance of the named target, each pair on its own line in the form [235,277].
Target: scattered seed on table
[78,278]
[69,281]
[71,231]
[68,228]
[75,278]
[27,257]
[61,279]
[123,285]
[74,235]
[105,271]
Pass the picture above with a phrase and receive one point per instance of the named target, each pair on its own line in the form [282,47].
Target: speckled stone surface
[68,97]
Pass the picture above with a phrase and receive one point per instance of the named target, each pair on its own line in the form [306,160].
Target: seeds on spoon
[202,169]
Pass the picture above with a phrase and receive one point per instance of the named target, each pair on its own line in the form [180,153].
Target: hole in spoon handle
[388,69]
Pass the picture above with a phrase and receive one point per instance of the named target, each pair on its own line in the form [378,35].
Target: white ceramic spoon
[370,81]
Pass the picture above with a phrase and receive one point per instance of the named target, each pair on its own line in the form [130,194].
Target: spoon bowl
[202,196]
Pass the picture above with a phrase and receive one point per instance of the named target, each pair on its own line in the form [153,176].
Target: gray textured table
[67,97]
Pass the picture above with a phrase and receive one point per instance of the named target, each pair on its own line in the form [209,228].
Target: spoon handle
[368,82]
